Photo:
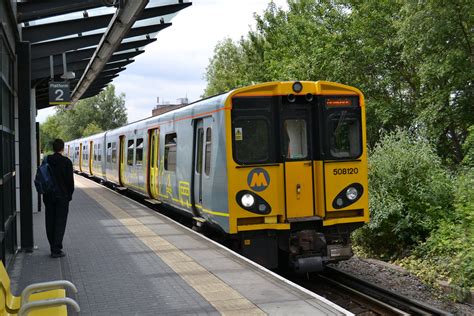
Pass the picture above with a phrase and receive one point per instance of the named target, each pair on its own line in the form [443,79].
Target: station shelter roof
[96,38]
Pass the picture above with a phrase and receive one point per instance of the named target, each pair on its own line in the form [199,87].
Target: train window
[171,141]
[109,152]
[152,151]
[207,160]
[139,151]
[295,139]
[130,147]
[200,140]
[95,152]
[84,152]
[114,152]
[251,140]
[99,153]
[344,134]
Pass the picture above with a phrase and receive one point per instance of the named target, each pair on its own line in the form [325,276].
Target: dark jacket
[63,174]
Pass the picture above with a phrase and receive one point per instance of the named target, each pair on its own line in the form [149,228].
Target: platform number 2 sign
[59,93]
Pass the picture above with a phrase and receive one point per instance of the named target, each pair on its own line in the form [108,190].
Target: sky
[174,66]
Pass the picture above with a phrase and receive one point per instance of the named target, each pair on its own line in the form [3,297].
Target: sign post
[59,93]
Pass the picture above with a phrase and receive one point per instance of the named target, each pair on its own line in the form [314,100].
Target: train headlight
[252,202]
[351,193]
[247,200]
[297,87]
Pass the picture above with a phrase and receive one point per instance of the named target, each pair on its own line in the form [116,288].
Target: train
[279,168]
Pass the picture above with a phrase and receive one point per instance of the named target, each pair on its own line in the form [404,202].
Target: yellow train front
[297,172]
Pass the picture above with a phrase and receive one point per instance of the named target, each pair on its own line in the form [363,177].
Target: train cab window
[139,152]
[251,140]
[171,141]
[255,134]
[114,152]
[295,139]
[130,150]
[200,141]
[344,134]
[207,160]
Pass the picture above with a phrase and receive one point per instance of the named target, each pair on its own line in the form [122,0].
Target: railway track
[361,297]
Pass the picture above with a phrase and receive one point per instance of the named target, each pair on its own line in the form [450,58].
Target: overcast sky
[173,66]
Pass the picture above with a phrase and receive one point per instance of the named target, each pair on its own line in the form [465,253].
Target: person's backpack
[44,179]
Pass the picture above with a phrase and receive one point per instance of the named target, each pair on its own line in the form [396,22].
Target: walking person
[57,203]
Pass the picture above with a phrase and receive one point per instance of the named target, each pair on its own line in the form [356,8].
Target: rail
[394,302]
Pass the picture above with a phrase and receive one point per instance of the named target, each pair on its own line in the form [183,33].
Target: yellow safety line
[211,212]
[225,299]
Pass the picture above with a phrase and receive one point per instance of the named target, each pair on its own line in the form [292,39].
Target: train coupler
[307,264]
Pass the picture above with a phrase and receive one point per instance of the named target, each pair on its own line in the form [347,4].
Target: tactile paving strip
[225,299]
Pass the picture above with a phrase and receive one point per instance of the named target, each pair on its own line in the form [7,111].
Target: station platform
[127,259]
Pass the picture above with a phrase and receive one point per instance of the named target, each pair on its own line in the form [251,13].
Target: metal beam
[58,70]
[100,77]
[44,91]
[60,46]
[25,144]
[63,45]
[119,64]
[162,10]
[119,28]
[43,32]
[80,65]
[86,53]
[73,58]
[110,68]
[104,72]
[100,83]
[93,93]
[33,10]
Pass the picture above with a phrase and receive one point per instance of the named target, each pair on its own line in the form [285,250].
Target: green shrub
[449,251]
[468,149]
[410,193]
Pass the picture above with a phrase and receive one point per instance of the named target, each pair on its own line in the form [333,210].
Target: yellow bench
[38,299]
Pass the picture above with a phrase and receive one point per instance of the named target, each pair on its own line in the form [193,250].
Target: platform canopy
[97,39]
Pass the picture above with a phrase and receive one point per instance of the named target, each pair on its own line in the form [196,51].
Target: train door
[121,166]
[296,126]
[153,167]
[202,163]
[80,157]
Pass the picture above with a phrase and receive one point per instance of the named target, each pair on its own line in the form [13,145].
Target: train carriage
[280,167]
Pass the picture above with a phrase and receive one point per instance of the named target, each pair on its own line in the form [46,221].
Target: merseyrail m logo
[258,179]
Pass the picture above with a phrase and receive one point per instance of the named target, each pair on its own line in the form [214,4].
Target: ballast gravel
[399,280]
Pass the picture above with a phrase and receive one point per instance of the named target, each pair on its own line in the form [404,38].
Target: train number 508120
[343,171]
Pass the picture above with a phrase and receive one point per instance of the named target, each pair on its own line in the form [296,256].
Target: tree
[438,40]
[49,131]
[224,71]
[413,60]
[99,113]
[91,129]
